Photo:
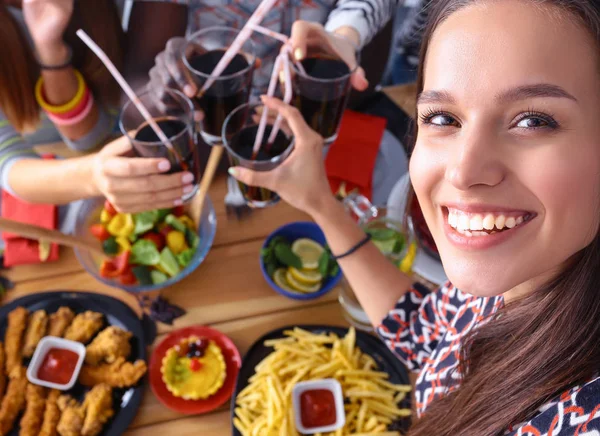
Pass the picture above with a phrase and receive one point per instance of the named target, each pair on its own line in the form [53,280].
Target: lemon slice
[281,281]
[295,284]
[306,277]
[309,251]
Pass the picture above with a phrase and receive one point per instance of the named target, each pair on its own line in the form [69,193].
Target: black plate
[367,343]
[117,313]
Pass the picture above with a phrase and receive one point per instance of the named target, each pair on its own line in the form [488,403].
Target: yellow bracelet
[39,96]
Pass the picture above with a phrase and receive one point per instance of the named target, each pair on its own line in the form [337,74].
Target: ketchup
[58,366]
[317,408]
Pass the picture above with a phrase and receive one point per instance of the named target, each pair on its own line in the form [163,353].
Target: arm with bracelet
[61,91]
[301,181]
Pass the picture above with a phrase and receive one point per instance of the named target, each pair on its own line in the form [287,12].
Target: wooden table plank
[244,333]
[228,285]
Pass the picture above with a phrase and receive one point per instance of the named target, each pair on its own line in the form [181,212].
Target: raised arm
[301,182]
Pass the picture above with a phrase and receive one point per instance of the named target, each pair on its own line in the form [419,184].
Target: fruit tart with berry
[194,369]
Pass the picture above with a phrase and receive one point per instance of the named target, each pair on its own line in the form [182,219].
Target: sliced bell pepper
[165,229]
[176,242]
[108,207]
[187,221]
[99,232]
[105,216]
[156,238]
[110,246]
[121,225]
[123,243]
[127,277]
[111,268]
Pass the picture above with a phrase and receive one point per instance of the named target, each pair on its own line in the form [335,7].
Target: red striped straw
[238,42]
[287,97]
[130,93]
[280,37]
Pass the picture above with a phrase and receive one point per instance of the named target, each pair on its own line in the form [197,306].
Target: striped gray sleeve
[94,137]
[12,148]
[368,17]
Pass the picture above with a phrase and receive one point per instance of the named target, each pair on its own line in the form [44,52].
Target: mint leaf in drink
[324,262]
[285,255]
[381,234]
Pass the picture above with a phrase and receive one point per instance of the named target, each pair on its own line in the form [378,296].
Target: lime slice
[281,281]
[386,247]
[295,284]
[309,251]
[306,277]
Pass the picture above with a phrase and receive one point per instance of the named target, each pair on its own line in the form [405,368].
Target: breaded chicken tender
[84,327]
[52,415]
[119,374]
[60,321]
[98,405]
[71,419]
[13,340]
[35,398]
[110,344]
[14,400]
[36,330]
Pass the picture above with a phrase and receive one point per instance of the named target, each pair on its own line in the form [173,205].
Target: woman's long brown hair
[535,348]
[18,70]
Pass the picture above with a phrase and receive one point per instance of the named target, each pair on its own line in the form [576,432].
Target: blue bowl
[88,213]
[292,232]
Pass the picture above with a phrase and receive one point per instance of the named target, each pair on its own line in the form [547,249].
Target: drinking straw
[265,114]
[134,98]
[275,35]
[287,97]
[258,15]
[280,37]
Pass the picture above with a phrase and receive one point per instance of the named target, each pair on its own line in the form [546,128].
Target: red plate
[233,361]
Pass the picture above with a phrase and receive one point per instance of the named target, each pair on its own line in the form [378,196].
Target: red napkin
[351,158]
[18,250]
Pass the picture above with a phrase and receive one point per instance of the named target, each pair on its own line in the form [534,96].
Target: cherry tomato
[99,232]
[178,211]
[195,365]
[164,230]
[110,208]
[156,238]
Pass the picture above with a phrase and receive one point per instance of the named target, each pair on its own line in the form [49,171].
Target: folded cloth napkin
[351,159]
[19,250]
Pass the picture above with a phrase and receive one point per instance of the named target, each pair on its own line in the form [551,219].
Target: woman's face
[507,161]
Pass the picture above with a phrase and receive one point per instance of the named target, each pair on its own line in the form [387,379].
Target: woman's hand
[134,184]
[305,34]
[300,180]
[47,21]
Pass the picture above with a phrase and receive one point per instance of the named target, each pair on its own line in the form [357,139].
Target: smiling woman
[506,167]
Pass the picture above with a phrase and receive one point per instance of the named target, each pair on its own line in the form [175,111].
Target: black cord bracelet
[353,249]
[62,66]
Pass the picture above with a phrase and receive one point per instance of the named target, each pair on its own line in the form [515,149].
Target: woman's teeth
[483,224]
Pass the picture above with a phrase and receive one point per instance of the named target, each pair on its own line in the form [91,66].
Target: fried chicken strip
[2,368]
[84,327]
[110,344]
[71,420]
[98,405]
[119,374]
[60,321]
[17,322]
[51,415]
[36,330]
[14,400]
[31,423]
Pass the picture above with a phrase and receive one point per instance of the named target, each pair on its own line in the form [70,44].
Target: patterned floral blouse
[425,330]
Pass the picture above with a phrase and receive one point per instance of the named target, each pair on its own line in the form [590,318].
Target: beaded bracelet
[76,119]
[69,106]
[353,249]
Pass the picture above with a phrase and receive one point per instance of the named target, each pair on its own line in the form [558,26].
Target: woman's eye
[532,123]
[442,120]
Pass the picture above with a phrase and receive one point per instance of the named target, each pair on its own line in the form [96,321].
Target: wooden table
[227,292]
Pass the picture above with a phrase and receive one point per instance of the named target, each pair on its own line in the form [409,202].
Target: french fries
[264,407]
